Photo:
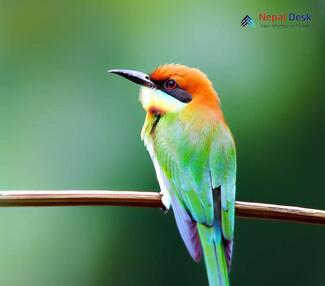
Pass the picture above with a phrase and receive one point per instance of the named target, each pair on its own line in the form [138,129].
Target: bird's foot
[166,202]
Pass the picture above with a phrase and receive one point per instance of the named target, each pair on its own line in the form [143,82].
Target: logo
[247,20]
[285,17]
[278,20]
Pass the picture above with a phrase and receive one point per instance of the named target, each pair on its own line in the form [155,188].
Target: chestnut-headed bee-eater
[194,156]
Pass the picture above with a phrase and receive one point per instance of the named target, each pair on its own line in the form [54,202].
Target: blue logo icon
[247,20]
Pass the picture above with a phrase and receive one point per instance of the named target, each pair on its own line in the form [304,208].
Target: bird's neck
[192,118]
[201,113]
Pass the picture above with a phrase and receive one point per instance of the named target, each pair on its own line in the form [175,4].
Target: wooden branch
[148,199]
[279,212]
[80,198]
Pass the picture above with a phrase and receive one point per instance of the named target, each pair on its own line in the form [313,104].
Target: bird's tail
[214,255]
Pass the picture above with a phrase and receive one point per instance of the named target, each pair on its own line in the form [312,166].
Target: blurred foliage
[65,123]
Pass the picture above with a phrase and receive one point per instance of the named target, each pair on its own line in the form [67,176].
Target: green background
[66,124]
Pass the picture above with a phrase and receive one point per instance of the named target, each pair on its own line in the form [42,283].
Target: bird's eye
[171,84]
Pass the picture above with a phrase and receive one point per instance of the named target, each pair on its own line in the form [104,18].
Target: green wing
[222,162]
[197,163]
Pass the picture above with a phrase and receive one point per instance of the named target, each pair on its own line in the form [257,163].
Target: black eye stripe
[180,94]
[176,92]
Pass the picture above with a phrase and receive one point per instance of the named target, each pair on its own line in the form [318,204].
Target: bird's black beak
[135,76]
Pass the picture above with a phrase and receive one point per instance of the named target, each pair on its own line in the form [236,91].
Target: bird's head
[173,87]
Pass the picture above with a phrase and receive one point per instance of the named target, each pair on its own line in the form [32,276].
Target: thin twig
[25,198]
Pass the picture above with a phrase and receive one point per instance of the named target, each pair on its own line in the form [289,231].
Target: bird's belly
[162,180]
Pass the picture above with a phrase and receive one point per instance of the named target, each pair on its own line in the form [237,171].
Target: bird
[194,156]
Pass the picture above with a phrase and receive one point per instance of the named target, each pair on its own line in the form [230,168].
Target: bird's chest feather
[181,148]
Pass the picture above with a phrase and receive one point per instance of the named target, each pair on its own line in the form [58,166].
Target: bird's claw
[165,203]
